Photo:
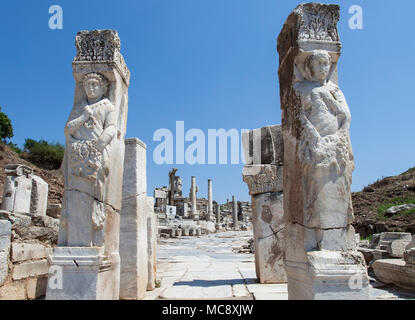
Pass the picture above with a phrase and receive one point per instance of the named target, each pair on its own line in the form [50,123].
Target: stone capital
[263,178]
[99,51]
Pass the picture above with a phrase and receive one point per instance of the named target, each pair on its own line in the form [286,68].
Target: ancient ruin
[263,174]
[93,170]
[321,257]
[23,191]
[137,231]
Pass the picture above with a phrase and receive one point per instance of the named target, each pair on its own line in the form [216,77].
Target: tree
[6,129]
[44,154]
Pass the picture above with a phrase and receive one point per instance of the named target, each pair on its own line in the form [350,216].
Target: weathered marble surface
[134,214]
[5,234]
[17,189]
[268,223]
[318,159]
[395,271]
[39,196]
[93,168]
[264,178]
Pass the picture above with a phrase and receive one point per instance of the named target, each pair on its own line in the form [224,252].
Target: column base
[328,275]
[83,273]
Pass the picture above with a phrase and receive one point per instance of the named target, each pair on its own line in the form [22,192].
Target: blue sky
[212,64]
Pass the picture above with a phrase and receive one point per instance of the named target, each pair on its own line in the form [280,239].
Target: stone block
[396,248]
[134,248]
[15,290]
[87,274]
[30,269]
[135,178]
[395,271]
[268,225]
[54,211]
[39,196]
[27,251]
[36,287]
[4,266]
[5,234]
[17,189]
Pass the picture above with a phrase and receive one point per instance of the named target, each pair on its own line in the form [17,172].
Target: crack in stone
[107,204]
[323,229]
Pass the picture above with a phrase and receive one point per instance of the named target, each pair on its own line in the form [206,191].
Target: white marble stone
[84,272]
[268,223]
[27,251]
[30,269]
[93,168]
[17,189]
[39,196]
[134,215]
[395,271]
[321,254]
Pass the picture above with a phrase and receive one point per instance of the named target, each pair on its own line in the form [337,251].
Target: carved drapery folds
[318,158]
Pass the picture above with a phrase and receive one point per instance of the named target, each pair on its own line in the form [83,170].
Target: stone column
[235,213]
[321,257]
[134,231]
[210,214]
[93,166]
[218,216]
[264,177]
[193,190]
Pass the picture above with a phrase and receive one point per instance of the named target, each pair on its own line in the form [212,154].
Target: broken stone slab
[17,193]
[397,209]
[39,196]
[397,248]
[395,271]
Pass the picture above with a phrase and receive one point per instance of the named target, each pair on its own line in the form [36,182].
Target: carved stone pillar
[321,257]
[264,177]
[88,246]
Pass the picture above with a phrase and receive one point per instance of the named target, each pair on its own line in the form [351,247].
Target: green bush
[44,154]
[14,147]
[6,129]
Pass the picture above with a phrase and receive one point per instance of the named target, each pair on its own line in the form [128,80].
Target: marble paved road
[210,267]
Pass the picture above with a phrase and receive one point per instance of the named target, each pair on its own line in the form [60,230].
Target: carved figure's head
[318,66]
[95,85]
